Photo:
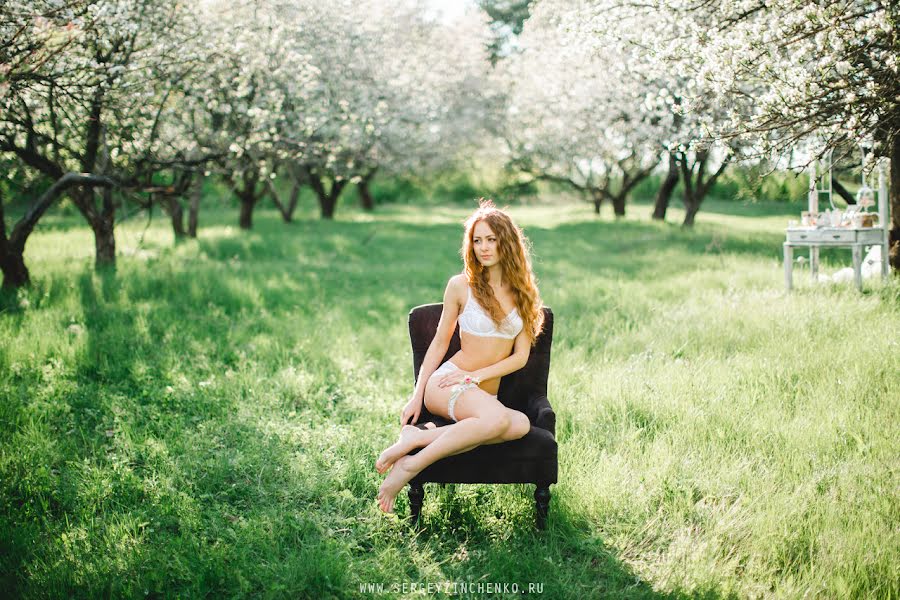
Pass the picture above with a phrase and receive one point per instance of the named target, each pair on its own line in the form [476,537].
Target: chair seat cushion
[530,459]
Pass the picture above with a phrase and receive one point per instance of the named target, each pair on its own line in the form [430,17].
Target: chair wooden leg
[416,496]
[542,504]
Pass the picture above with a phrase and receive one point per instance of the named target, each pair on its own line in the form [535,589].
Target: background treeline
[124,106]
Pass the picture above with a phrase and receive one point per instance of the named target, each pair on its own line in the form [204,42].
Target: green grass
[204,421]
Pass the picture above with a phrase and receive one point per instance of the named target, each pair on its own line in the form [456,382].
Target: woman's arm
[513,362]
[438,347]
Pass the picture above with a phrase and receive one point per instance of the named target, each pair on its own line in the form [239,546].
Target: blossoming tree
[578,116]
[83,87]
[823,70]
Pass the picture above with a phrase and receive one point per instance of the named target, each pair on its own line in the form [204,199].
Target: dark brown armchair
[530,459]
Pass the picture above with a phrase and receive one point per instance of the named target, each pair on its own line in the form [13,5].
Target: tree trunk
[176,212]
[894,195]
[365,197]
[597,199]
[15,273]
[666,189]
[246,218]
[695,190]
[327,198]
[618,203]
[12,248]
[13,276]
[292,203]
[691,208]
[630,179]
[194,207]
[286,210]
[12,263]
[248,195]
[102,223]
[104,232]
[327,205]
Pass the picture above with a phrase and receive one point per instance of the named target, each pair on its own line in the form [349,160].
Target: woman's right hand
[412,409]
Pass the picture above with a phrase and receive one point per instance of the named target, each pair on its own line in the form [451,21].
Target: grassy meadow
[203,422]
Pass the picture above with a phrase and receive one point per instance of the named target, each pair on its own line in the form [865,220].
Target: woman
[496,302]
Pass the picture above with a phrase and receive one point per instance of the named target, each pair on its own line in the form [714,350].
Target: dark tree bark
[12,263]
[842,191]
[695,188]
[12,248]
[365,196]
[194,207]
[665,190]
[15,273]
[292,202]
[101,220]
[690,212]
[286,210]
[176,213]
[596,199]
[171,196]
[894,195]
[327,197]
[629,180]
[104,232]
[246,217]
[248,194]
[600,192]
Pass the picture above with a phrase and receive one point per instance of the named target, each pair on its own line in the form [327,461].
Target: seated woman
[499,310]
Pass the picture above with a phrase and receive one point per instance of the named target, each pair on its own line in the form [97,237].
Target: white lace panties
[457,389]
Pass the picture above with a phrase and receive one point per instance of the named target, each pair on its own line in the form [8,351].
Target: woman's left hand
[451,379]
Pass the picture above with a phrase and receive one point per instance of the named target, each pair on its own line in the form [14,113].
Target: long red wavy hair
[515,260]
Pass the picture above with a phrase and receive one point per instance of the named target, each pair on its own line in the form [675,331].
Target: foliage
[829,70]
[758,182]
[507,20]
[575,115]
[86,81]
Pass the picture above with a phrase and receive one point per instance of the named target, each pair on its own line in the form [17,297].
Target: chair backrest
[515,388]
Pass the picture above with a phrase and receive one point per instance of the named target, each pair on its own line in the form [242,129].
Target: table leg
[788,266]
[814,263]
[857,265]
[885,263]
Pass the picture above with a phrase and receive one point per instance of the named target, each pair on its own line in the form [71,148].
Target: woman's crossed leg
[482,420]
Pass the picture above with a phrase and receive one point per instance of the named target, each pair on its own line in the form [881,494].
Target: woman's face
[485,245]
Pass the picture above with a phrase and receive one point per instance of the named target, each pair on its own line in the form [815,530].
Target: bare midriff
[477,352]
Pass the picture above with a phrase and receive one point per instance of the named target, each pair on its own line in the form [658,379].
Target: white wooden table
[843,237]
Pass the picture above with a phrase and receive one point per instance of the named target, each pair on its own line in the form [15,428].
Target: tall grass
[204,421]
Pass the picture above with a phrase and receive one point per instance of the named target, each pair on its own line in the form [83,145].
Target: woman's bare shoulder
[456,289]
[458,281]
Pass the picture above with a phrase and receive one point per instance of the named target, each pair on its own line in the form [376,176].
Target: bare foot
[405,443]
[393,483]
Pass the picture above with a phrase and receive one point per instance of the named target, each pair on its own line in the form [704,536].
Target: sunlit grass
[204,420]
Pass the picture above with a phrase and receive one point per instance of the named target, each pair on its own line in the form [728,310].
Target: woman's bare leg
[412,437]
[483,418]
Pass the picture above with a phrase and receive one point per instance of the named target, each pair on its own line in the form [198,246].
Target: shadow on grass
[622,249]
[567,559]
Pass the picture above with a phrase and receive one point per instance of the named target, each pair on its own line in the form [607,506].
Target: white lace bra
[476,321]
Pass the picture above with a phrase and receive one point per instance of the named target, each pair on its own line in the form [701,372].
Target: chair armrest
[541,414]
